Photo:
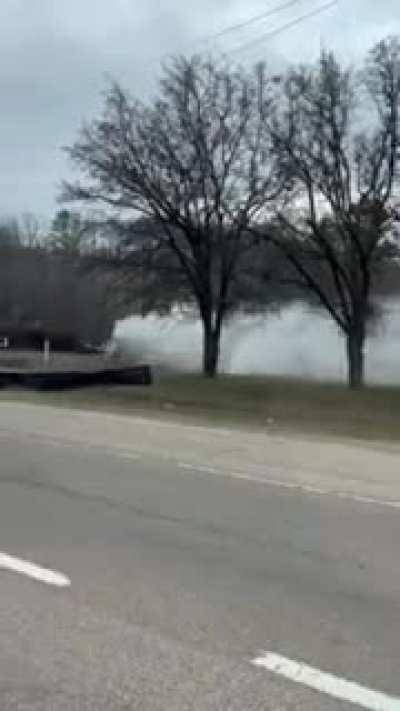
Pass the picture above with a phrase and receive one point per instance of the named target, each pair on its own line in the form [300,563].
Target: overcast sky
[55,55]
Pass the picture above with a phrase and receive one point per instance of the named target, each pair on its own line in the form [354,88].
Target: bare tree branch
[346,179]
[198,162]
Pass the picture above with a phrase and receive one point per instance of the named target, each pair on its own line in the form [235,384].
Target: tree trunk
[355,360]
[211,339]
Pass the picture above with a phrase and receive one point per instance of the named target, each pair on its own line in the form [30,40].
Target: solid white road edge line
[200,469]
[24,567]
[281,484]
[334,686]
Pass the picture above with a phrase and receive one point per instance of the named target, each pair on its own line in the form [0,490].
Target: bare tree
[68,234]
[343,183]
[30,229]
[10,233]
[197,162]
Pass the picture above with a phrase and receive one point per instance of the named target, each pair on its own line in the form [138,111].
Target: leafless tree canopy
[343,179]
[198,163]
[310,160]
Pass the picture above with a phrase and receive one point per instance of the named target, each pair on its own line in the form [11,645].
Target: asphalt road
[179,579]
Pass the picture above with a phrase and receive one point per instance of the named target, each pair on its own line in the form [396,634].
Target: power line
[282,28]
[255,18]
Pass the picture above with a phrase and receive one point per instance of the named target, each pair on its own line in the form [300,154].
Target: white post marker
[24,567]
[46,350]
[334,686]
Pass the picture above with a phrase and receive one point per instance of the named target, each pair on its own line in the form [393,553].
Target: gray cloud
[55,56]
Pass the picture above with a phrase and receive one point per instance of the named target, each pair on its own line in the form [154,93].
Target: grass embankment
[274,404]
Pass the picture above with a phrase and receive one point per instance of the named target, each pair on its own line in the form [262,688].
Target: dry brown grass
[275,404]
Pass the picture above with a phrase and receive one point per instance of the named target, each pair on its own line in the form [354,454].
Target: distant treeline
[74,280]
[50,284]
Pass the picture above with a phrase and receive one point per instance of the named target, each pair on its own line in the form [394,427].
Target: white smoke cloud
[298,342]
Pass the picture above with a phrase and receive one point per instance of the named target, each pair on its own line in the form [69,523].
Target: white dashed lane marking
[36,572]
[329,684]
